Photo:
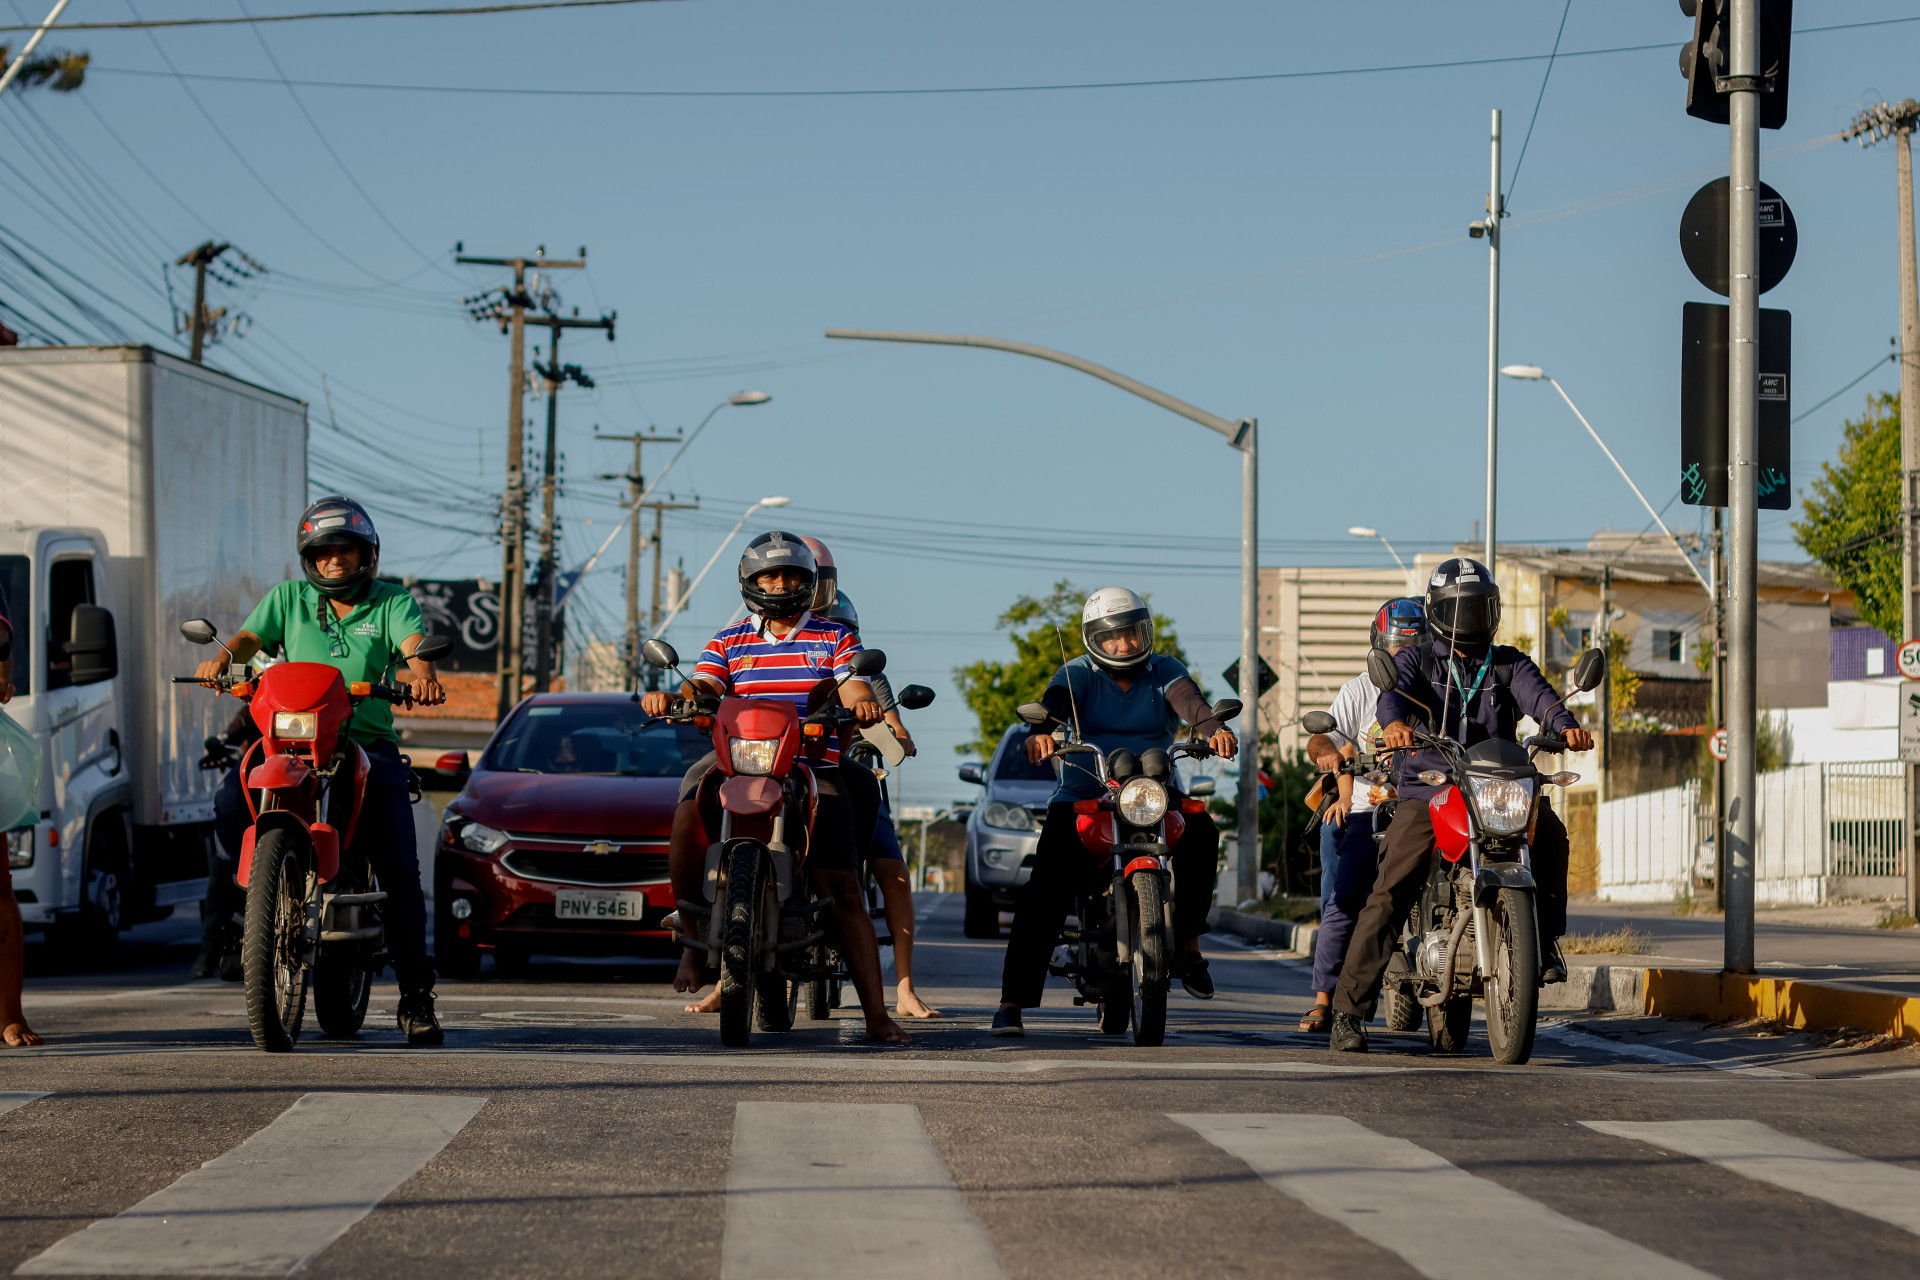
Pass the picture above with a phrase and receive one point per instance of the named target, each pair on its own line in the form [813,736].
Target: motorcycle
[1475,930]
[768,930]
[1118,948]
[312,918]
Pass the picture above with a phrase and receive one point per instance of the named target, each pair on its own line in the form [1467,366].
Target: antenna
[1067,672]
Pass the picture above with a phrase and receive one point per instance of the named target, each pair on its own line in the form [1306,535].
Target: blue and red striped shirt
[749,662]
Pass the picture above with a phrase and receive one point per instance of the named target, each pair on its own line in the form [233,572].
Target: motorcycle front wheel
[740,944]
[1513,988]
[1151,971]
[274,949]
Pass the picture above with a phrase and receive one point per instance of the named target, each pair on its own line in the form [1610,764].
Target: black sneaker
[417,1020]
[1006,1022]
[1349,1034]
[1194,978]
[1554,967]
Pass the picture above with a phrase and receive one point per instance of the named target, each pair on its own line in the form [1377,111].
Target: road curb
[1296,939]
[1809,1006]
[1619,988]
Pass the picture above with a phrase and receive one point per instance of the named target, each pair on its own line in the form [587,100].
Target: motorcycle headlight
[20,847]
[481,838]
[299,726]
[1007,817]
[1143,802]
[1503,803]
[754,755]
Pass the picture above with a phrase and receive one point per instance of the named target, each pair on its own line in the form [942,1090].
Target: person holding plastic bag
[19,793]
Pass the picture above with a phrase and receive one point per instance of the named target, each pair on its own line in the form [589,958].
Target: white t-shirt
[1356,722]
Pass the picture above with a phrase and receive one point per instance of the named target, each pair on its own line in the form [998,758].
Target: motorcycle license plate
[598,904]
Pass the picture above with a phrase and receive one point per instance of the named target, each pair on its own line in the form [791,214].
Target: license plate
[598,904]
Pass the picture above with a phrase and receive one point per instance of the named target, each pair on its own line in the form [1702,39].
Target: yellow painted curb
[1699,993]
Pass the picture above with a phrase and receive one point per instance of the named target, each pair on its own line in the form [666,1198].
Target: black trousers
[1403,874]
[1064,867]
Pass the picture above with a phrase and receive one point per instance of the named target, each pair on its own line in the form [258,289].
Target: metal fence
[1864,831]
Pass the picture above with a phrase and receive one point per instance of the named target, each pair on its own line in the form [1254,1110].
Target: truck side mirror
[93,649]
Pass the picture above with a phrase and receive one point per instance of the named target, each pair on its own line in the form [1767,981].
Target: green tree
[59,71]
[1850,515]
[993,689]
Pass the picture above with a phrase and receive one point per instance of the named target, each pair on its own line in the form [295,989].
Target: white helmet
[1111,613]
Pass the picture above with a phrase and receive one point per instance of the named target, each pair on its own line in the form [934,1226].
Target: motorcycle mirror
[1381,671]
[1317,722]
[868,662]
[1201,788]
[1033,713]
[658,653]
[1226,709]
[1590,670]
[432,648]
[914,697]
[199,631]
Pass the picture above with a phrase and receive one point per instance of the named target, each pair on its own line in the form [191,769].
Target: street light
[1361,531]
[687,595]
[1534,373]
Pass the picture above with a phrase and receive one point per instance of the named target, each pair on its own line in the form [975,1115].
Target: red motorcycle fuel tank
[757,718]
[1451,830]
[303,686]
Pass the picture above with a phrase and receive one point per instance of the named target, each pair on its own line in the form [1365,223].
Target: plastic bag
[19,774]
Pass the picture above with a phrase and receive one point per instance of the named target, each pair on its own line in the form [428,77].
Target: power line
[1850,386]
[1539,98]
[146,24]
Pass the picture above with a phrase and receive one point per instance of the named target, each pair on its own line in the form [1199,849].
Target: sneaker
[416,1018]
[1349,1034]
[1194,978]
[1006,1022]
[1554,967]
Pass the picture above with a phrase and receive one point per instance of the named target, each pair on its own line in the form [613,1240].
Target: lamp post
[1362,531]
[1534,373]
[1242,435]
[687,595]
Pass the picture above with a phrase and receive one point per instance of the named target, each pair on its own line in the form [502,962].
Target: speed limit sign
[1908,660]
[1718,745]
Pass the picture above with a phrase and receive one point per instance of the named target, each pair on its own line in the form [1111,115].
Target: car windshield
[1015,767]
[598,738]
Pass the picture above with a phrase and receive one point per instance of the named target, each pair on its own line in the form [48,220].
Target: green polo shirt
[298,619]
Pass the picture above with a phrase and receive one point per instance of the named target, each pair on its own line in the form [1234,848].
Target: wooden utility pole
[200,258]
[653,616]
[507,307]
[555,375]
[636,542]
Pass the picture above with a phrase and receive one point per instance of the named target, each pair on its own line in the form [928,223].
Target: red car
[558,844]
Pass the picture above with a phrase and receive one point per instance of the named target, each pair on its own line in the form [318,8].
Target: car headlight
[481,838]
[1143,802]
[1503,803]
[299,726]
[1007,817]
[20,847]
[1001,859]
[754,755]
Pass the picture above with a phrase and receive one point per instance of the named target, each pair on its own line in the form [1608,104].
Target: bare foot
[18,1035]
[909,1005]
[709,1005]
[691,975]
[887,1031]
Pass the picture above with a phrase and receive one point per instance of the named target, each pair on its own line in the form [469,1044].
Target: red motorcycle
[774,931]
[312,918]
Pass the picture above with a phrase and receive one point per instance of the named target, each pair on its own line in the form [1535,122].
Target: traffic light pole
[1743,448]
[1495,208]
[1909,460]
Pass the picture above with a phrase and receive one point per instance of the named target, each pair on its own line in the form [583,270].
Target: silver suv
[1004,829]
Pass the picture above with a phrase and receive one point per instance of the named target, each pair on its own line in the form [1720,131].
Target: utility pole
[1490,228]
[659,551]
[201,323]
[1603,640]
[508,309]
[636,541]
[556,375]
[1873,125]
[1717,566]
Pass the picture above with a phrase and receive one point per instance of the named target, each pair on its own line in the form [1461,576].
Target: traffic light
[1706,58]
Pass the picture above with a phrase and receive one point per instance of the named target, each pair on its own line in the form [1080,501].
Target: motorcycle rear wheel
[273,950]
[1513,988]
[1151,954]
[343,981]
[1448,1024]
[1400,1006]
[740,945]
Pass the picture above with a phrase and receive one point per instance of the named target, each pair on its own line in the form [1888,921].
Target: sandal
[1318,1020]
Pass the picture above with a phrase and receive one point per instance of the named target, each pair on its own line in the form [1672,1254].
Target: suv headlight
[1503,803]
[298,726]
[20,847]
[1007,817]
[1143,802]
[480,838]
[754,755]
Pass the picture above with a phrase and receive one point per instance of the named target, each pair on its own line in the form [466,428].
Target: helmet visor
[826,587]
[1466,617]
[1120,637]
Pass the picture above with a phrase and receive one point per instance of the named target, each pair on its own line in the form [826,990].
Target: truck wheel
[982,918]
[90,937]
[274,952]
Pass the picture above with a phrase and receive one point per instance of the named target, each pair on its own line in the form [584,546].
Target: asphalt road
[577,1123]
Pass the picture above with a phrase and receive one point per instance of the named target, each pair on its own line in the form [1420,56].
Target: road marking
[1575,1035]
[1405,1198]
[823,1191]
[61,1000]
[14,1101]
[267,1206]
[1754,1150]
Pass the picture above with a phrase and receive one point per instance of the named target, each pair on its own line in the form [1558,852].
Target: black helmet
[776,550]
[842,610]
[1463,604]
[1401,621]
[335,521]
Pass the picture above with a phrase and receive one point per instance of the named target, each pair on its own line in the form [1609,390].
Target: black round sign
[1703,236]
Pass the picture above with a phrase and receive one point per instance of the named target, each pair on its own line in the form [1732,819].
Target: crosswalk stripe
[13,1101]
[267,1206]
[1754,1150]
[1445,1222]
[822,1191]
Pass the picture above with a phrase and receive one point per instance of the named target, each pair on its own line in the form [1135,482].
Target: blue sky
[1290,249]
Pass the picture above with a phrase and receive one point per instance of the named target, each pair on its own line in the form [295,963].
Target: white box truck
[137,490]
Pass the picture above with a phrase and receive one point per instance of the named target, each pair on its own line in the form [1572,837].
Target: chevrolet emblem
[601,848]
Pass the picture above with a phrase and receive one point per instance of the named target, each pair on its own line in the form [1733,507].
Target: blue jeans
[1329,863]
[1343,894]
[385,838]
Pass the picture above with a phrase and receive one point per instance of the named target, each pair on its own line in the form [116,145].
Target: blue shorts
[886,841]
